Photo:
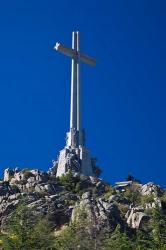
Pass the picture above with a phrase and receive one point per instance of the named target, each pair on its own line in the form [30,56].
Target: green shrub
[118,241]
[15,189]
[163,197]
[133,194]
[109,190]
[21,182]
[69,181]
[147,199]
[70,202]
[123,208]
[26,231]
[27,174]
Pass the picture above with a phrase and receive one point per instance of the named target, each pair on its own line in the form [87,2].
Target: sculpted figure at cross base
[72,162]
[75,156]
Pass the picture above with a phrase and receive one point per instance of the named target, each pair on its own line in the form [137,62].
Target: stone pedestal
[86,162]
[76,159]
[62,163]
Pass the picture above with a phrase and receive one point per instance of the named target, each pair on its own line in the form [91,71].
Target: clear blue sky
[124,96]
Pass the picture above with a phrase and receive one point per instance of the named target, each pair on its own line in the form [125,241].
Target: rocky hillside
[61,200]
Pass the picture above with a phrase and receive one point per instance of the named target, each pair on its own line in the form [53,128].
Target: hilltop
[130,211]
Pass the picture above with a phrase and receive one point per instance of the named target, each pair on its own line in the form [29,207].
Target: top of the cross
[73,53]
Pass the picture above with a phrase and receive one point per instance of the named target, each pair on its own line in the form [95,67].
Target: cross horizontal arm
[64,50]
[87,59]
[72,53]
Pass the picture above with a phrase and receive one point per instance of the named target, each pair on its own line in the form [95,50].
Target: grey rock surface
[102,213]
[150,189]
[47,196]
[136,216]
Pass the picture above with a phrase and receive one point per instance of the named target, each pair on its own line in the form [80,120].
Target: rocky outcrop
[63,203]
[119,199]
[150,189]
[8,173]
[155,203]
[103,214]
[136,217]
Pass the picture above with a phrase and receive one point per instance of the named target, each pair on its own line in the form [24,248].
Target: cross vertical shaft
[78,86]
[73,105]
[75,137]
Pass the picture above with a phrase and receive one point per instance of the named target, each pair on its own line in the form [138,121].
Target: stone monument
[75,156]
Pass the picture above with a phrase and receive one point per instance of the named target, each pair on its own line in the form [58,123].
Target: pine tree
[159,228]
[26,231]
[118,241]
[143,240]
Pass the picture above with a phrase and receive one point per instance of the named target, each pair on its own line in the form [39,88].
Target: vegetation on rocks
[26,230]
[74,212]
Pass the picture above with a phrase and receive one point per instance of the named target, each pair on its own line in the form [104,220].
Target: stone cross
[75,136]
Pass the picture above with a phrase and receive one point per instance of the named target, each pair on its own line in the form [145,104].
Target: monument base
[77,160]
